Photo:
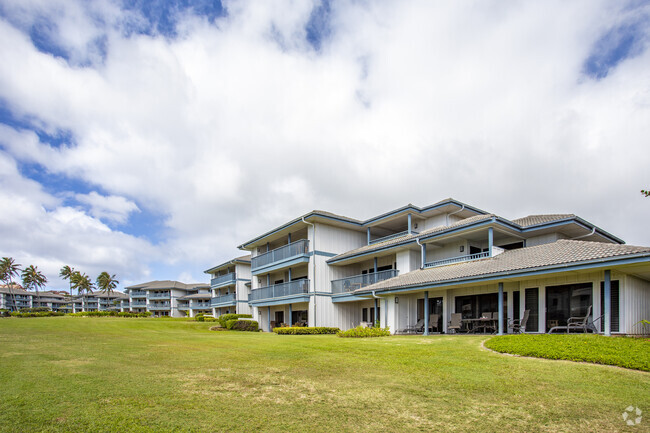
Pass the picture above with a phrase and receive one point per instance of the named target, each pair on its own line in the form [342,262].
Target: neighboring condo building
[230,283]
[167,298]
[394,269]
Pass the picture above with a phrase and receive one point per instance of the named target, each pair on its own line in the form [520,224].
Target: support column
[290,316]
[268,319]
[409,217]
[289,238]
[490,240]
[289,275]
[426,313]
[375,265]
[423,253]
[607,308]
[368,232]
[500,308]
[376,305]
[385,313]
[268,280]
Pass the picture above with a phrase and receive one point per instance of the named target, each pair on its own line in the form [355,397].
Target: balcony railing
[195,305]
[285,252]
[159,295]
[350,284]
[182,306]
[297,287]
[138,304]
[223,279]
[393,236]
[224,299]
[457,259]
[138,293]
[161,306]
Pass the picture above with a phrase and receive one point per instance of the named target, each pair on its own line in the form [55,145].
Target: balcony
[223,280]
[287,255]
[183,306]
[224,300]
[159,295]
[457,259]
[293,291]
[139,304]
[350,284]
[200,305]
[393,236]
[161,306]
[138,293]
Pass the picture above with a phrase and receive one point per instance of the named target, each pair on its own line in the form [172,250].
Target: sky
[149,139]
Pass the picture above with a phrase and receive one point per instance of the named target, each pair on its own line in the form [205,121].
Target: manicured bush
[210,319]
[362,332]
[109,313]
[34,310]
[37,314]
[306,330]
[199,317]
[226,317]
[242,325]
[625,352]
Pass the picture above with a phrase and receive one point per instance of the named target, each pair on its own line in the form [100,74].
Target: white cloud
[112,208]
[237,126]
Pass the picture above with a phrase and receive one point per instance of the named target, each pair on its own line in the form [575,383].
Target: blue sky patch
[162,15]
[319,26]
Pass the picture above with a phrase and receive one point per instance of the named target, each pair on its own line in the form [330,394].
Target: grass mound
[624,352]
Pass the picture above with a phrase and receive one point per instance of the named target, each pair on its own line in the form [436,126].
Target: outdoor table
[471,323]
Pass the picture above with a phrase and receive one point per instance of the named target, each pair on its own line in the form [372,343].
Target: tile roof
[410,238]
[167,284]
[541,256]
[532,220]
[196,296]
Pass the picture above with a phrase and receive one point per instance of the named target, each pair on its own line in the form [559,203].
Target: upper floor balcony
[457,259]
[392,236]
[139,303]
[183,305]
[163,295]
[159,306]
[350,284]
[283,293]
[223,280]
[224,300]
[138,293]
[200,304]
[287,255]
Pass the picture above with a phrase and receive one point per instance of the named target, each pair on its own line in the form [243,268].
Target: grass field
[74,374]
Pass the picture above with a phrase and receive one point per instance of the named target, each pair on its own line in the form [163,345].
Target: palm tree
[66,273]
[83,284]
[33,278]
[8,270]
[106,283]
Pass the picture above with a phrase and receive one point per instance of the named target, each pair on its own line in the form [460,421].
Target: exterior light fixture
[396,300]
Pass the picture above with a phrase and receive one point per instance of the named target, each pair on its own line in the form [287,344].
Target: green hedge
[224,318]
[307,330]
[362,332]
[242,325]
[109,313]
[34,310]
[37,314]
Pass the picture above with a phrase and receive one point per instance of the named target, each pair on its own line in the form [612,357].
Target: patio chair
[456,322]
[518,326]
[418,327]
[433,322]
[578,323]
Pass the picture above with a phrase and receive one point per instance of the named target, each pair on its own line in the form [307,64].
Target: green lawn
[76,374]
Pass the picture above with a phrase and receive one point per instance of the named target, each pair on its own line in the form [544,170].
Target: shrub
[34,310]
[305,330]
[226,317]
[362,332]
[109,313]
[37,314]
[242,325]
[210,319]
[199,317]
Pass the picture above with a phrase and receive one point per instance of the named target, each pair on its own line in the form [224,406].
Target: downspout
[422,253]
[450,214]
[587,235]
[314,267]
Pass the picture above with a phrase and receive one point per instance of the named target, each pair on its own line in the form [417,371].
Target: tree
[83,284]
[106,283]
[8,270]
[33,278]
[66,273]
[645,192]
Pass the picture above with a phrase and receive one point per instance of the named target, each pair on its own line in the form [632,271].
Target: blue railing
[162,306]
[138,304]
[223,299]
[297,287]
[457,259]
[393,236]
[223,279]
[183,306]
[200,305]
[293,249]
[138,293]
[350,284]
[159,295]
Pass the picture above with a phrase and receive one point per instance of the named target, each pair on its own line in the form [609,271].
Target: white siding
[635,305]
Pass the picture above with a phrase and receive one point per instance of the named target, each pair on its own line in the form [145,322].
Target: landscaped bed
[66,374]
[627,352]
